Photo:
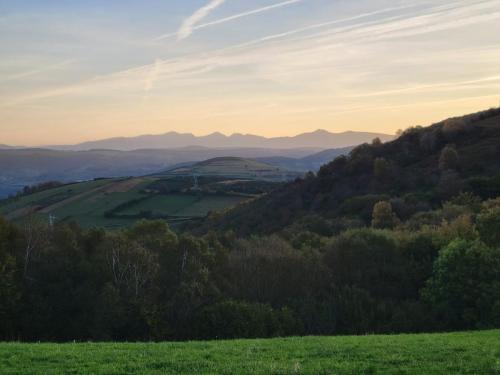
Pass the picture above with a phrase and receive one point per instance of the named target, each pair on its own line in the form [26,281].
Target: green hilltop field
[236,168]
[450,353]
[179,195]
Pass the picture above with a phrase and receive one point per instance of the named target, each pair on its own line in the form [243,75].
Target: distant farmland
[174,197]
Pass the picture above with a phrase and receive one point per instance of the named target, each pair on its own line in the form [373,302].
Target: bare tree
[35,235]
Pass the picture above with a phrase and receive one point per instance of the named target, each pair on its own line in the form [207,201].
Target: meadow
[449,353]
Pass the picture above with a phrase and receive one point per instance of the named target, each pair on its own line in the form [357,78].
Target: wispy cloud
[442,85]
[40,70]
[152,76]
[189,23]
[189,29]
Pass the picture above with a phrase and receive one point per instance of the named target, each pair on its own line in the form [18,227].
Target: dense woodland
[396,237]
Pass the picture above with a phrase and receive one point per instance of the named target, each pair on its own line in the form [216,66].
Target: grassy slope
[234,167]
[87,203]
[54,195]
[453,353]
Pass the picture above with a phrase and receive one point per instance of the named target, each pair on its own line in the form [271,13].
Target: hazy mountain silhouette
[320,139]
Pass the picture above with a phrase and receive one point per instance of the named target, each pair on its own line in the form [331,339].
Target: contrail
[189,24]
[187,30]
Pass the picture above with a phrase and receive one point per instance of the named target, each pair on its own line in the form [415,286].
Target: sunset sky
[72,71]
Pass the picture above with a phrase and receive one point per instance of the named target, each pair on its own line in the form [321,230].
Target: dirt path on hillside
[25,211]
[114,187]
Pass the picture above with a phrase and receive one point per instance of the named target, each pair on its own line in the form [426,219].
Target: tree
[383,217]
[429,141]
[9,290]
[465,286]
[453,127]
[449,159]
[35,234]
[368,259]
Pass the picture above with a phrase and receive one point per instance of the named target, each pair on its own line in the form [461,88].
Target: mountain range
[318,140]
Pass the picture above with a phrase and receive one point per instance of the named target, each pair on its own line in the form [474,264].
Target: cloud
[193,26]
[42,69]
[248,13]
[189,24]
[426,88]
[152,76]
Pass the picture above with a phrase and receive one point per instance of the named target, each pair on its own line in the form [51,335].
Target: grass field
[183,205]
[453,353]
[88,202]
[52,195]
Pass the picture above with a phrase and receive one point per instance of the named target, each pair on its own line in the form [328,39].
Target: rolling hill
[319,139]
[236,168]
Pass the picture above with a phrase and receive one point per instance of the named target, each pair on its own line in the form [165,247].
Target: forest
[396,237]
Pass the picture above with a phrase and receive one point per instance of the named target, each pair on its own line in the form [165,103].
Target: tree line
[147,282]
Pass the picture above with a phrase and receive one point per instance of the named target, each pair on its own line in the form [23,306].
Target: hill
[320,139]
[412,354]
[407,169]
[236,168]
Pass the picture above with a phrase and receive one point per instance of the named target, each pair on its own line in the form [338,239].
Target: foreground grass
[454,353]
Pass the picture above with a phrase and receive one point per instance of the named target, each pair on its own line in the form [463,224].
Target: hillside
[407,169]
[319,139]
[408,354]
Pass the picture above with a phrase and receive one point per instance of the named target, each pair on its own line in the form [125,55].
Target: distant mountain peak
[320,139]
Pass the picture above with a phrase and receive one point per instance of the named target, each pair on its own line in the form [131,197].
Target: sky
[72,71]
